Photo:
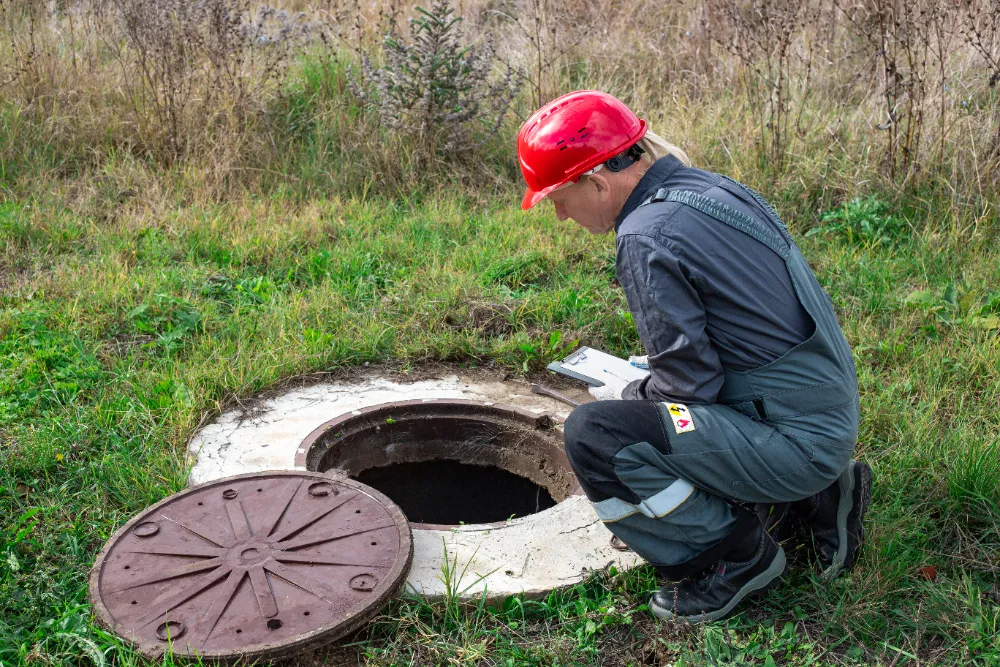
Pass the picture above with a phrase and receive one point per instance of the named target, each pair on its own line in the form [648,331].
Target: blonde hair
[656,147]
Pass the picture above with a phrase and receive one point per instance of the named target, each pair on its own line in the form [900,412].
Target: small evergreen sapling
[436,89]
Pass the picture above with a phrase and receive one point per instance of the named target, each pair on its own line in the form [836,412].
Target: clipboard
[590,366]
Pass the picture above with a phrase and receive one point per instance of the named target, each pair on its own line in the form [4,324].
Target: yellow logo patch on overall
[683,421]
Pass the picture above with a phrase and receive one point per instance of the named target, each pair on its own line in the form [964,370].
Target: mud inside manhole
[449,462]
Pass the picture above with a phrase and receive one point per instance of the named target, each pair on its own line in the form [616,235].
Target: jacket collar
[654,177]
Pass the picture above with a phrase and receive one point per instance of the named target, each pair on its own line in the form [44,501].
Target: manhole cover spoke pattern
[257,565]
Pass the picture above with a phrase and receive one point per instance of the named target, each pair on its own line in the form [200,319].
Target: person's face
[587,202]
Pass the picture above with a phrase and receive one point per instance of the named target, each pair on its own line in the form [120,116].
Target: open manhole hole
[448,462]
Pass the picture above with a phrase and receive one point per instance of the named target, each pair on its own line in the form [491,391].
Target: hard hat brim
[532,197]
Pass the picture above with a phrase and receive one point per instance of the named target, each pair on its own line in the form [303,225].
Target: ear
[602,185]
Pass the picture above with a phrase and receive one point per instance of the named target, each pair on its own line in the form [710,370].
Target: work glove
[611,390]
[640,362]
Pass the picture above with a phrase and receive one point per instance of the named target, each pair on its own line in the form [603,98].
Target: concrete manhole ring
[372,426]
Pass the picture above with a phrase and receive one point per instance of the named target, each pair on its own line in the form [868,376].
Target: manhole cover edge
[383,592]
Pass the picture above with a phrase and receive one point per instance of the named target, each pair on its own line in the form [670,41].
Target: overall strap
[763,203]
[725,214]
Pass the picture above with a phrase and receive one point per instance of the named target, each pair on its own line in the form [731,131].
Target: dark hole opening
[448,492]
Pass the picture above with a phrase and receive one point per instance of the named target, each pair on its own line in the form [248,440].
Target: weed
[168,318]
[552,348]
[248,291]
[22,51]
[575,306]
[898,34]
[868,221]
[761,35]
[18,532]
[44,369]
[973,477]
[982,31]
[955,306]
[552,31]
[189,66]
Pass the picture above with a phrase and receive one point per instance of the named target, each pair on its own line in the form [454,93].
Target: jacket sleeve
[670,318]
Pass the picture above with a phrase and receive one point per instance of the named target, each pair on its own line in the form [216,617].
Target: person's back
[701,269]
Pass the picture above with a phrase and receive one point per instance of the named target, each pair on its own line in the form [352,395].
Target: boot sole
[844,508]
[757,585]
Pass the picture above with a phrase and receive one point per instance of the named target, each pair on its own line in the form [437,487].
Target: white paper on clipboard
[593,367]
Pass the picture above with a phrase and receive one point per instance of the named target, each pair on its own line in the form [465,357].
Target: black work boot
[836,517]
[751,562]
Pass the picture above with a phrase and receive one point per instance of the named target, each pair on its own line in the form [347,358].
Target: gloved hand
[640,362]
[611,390]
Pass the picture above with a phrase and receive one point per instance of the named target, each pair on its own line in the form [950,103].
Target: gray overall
[778,433]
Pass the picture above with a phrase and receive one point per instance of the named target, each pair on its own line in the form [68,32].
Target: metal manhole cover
[258,565]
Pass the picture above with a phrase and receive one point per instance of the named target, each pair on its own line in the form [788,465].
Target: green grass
[118,334]
[140,298]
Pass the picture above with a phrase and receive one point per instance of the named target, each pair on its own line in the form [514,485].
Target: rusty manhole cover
[258,565]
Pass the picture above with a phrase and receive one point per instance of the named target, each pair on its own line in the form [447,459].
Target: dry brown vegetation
[837,96]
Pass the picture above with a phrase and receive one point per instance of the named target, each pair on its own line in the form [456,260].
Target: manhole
[448,462]
[253,566]
[529,554]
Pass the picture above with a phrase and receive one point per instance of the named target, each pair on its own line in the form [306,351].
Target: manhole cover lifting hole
[258,565]
[434,458]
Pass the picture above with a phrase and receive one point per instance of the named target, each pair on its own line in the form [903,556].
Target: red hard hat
[570,135]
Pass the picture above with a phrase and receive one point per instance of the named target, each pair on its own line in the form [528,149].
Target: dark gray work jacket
[705,297]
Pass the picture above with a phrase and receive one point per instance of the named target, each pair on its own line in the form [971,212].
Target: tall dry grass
[820,99]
